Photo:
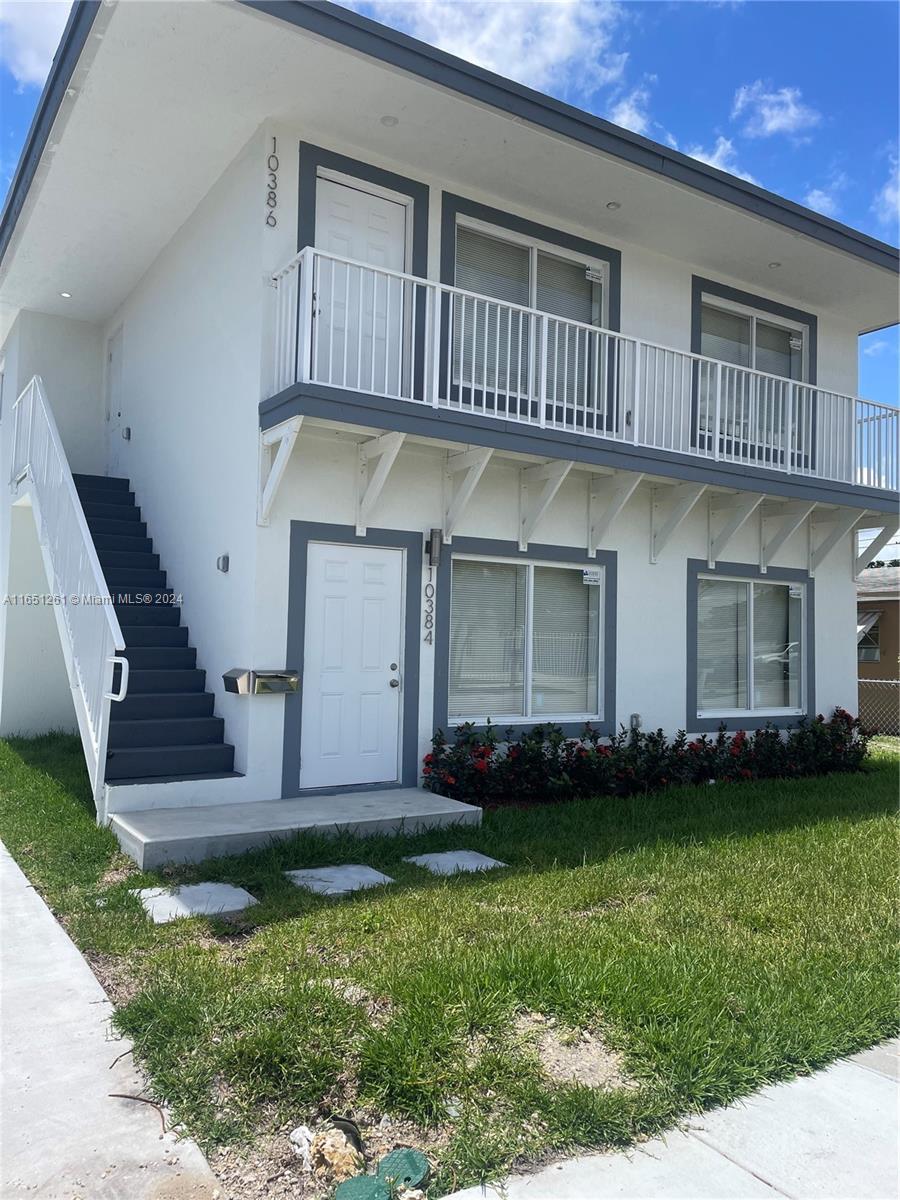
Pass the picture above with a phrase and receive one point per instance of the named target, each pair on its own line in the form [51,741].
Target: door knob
[395,683]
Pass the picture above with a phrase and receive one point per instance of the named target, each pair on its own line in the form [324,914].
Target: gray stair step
[166,681]
[166,731]
[109,526]
[135,579]
[148,614]
[105,482]
[116,497]
[119,543]
[147,761]
[155,635]
[161,658]
[157,705]
[94,510]
[133,560]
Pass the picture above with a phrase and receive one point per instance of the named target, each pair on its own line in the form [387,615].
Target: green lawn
[717,938]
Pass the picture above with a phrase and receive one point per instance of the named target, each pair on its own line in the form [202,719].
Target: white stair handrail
[90,633]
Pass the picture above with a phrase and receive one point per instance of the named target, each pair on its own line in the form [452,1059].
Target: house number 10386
[272,165]
[428,608]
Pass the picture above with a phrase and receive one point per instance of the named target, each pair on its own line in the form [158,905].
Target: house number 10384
[272,165]
[428,608]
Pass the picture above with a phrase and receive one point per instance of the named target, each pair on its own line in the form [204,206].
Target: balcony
[363,329]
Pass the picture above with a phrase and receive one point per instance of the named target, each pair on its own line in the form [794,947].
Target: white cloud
[826,199]
[873,349]
[768,111]
[30,31]
[630,111]
[887,201]
[723,155]
[546,44]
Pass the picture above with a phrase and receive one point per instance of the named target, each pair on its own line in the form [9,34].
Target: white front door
[351,666]
[361,315]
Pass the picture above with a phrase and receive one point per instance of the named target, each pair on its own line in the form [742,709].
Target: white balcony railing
[91,637]
[366,329]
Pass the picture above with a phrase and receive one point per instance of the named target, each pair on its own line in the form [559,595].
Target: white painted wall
[652,598]
[194,369]
[190,389]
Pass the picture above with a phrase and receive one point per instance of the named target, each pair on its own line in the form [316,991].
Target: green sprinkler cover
[363,1187]
[409,1167]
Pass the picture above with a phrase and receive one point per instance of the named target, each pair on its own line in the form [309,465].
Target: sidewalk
[61,1136]
[831,1136]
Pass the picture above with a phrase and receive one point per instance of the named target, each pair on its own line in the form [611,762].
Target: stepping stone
[450,862]
[337,881]
[194,900]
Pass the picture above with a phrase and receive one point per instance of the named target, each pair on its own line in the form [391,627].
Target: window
[868,637]
[492,343]
[524,642]
[750,639]
[745,339]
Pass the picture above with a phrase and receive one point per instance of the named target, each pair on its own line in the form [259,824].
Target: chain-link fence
[879,705]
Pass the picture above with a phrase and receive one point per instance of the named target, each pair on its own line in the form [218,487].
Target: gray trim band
[436,66]
[709,287]
[379,412]
[453,206]
[697,567]
[510,550]
[74,37]
[302,533]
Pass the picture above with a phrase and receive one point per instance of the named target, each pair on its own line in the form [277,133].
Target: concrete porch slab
[338,881]
[156,836]
[194,900]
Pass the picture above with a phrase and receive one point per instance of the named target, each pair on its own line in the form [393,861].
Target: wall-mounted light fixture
[222,564]
[433,547]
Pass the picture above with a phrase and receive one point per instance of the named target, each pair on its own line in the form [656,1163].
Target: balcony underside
[497,433]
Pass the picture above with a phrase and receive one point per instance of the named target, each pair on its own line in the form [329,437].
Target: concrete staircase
[165,728]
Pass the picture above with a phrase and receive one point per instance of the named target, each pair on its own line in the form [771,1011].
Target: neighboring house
[878,623]
[454,400]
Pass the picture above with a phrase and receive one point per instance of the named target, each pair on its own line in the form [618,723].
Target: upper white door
[362,315]
[352,666]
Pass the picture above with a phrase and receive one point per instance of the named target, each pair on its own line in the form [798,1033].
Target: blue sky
[800,96]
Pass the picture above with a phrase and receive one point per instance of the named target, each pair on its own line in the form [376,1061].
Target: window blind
[776,647]
[487,639]
[725,335]
[779,351]
[721,645]
[565,633]
[490,343]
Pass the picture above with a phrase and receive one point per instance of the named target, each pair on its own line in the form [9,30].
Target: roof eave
[328,20]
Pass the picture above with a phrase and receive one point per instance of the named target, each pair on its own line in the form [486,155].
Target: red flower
[481,765]
[428,758]
[745,774]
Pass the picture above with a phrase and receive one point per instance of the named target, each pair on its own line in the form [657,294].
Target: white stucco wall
[193,372]
[190,389]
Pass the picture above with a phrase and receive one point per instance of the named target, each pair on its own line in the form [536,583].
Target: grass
[719,938]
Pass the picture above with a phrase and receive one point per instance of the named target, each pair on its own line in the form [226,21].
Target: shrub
[542,765]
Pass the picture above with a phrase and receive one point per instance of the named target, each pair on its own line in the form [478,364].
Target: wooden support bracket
[471,465]
[839,523]
[790,516]
[607,497]
[537,487]
[875,547]
[668,509]
[271,472]
[736,510]
[383,450]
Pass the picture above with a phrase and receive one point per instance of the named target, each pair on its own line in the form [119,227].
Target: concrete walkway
[61,1135]
[830,1136]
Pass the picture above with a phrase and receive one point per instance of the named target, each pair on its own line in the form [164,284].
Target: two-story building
[437,397]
